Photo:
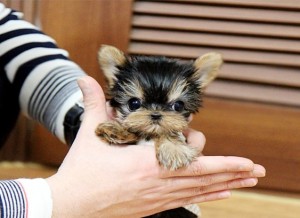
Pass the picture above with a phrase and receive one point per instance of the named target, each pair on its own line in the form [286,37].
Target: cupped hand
[99,180]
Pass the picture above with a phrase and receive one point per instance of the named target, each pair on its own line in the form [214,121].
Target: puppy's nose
[156,116]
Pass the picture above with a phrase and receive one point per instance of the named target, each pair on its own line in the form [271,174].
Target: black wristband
[72,123]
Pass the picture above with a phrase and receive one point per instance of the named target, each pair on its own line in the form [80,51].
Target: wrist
[64,199]
[57,194]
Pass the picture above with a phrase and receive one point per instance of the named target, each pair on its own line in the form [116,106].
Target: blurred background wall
[251,110]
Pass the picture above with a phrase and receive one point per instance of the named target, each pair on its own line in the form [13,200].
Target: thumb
[94,101]
[94,113]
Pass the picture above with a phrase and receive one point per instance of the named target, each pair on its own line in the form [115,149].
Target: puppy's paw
[114,133]
[174,156]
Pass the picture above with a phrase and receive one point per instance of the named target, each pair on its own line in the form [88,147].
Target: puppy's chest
[145,142]
[151,141]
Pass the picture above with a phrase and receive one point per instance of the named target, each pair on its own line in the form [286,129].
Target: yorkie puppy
[153,98]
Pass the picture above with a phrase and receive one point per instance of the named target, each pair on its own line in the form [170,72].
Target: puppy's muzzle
[156,116]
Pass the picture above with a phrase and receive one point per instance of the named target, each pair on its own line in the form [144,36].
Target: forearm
[41,74]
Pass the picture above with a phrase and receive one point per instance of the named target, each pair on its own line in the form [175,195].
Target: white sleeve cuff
[38,197]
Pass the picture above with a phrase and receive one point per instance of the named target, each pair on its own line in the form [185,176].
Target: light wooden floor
[254,204]
[244,203]
[14,170]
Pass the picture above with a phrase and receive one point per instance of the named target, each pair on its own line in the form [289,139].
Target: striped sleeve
[12,200]
[25,198]
[41,73]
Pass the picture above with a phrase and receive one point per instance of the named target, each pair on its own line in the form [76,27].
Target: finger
[224,194]
[195,138]
[200,190]
[111,113]
[190,118]
[94,101]
[205,165]
[178,183]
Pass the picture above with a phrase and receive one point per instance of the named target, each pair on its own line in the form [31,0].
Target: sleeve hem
[38,197]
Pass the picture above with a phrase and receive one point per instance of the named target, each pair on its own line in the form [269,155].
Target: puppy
[153,98]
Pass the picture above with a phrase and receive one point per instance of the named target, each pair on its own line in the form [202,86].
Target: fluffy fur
[153,98]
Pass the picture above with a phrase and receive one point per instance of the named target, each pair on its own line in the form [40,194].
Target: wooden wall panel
[80,27]
[267,134]
[16,145]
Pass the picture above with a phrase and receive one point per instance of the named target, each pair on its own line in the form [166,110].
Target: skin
[98,180]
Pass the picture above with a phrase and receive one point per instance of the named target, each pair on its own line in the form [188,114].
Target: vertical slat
[5,2]
[29,10]
[16,5]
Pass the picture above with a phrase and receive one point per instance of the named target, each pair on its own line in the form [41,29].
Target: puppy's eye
[178,106]
[134,104]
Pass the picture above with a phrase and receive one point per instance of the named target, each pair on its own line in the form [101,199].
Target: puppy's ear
[207,67]
[109,59]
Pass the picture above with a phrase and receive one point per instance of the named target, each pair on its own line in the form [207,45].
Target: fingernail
[259,171]
[225,194]
[249,182]
[83,84]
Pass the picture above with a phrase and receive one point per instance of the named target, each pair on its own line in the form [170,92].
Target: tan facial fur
[109,58]
[141,122]
[207,67]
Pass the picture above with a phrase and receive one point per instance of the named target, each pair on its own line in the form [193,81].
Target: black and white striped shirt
[40,73]
[37,78]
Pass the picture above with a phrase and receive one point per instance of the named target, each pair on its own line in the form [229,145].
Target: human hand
[98,180]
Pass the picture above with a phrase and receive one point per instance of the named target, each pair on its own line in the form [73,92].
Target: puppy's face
[155,95]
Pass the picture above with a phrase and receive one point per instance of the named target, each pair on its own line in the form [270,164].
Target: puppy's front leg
[113,132]
[174,153]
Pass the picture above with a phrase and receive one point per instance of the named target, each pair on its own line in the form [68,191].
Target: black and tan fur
[153,98]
